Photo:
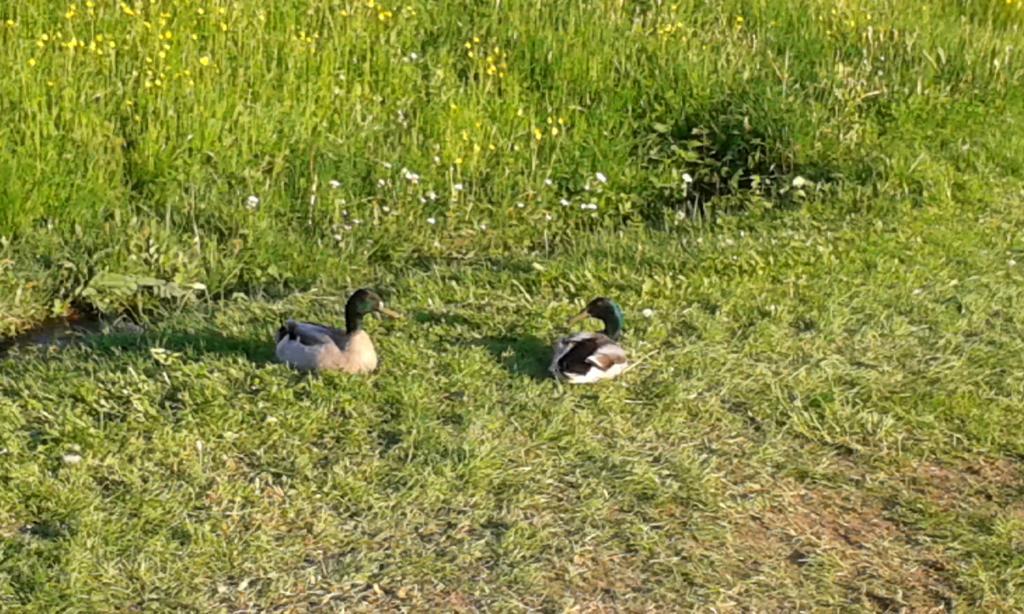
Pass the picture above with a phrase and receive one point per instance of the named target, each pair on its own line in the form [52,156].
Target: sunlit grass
[138,133]
[825,416]
[809,210]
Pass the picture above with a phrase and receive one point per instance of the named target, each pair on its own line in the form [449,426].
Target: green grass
[139,159]
[827,415]
[826,409]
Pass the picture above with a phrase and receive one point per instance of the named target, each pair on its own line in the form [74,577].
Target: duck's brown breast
[355,355]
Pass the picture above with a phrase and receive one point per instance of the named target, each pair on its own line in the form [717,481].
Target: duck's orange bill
[390,313]
[578,317]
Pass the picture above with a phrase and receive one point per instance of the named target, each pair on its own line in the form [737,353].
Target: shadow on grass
[523,355]
[192,344]
[439,317]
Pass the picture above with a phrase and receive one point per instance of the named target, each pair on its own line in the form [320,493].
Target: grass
[139,132]
[832,424]
[818,202]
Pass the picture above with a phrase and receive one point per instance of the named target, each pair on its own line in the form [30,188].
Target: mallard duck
[307,347]
[585,358]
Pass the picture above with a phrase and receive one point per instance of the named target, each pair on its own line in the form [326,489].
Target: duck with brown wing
[588,357]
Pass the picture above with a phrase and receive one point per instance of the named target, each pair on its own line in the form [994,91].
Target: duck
[306,346]
[589,357]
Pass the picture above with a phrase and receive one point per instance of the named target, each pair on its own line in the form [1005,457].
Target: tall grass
[249,145]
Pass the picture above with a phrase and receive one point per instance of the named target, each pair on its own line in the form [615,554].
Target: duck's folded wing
[589,350]
[311,334]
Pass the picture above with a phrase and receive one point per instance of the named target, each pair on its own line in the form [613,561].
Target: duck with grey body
[306,346]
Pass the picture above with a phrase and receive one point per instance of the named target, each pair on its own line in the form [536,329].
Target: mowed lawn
[826,414]
[809,211]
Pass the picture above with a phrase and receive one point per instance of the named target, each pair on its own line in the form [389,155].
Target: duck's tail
[287,330]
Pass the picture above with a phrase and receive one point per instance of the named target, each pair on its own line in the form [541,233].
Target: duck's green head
[364,302]
[606,310]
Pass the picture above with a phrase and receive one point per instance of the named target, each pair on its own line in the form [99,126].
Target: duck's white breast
[595,374]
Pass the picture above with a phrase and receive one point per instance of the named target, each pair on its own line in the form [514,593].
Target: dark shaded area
[57,332]
[524,355]
[104,337]
[729,154]
[47,529]
[192,344]
[440,317]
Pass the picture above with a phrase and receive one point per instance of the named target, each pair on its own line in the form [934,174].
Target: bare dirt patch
[850,538]
[809,534]
[995,483]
